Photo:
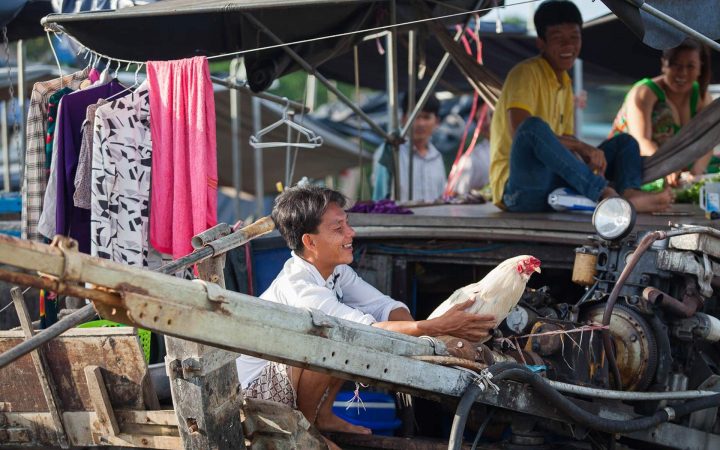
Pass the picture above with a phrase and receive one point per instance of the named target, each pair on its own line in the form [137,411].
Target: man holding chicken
[315,226]
[532,147]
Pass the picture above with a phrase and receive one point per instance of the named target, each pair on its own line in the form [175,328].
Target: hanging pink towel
[183,198]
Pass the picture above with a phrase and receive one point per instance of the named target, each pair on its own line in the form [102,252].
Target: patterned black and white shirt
[120,186]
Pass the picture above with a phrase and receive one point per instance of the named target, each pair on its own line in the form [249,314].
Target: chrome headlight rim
[614,218]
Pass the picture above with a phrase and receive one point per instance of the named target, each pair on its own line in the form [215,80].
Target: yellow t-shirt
[533,86]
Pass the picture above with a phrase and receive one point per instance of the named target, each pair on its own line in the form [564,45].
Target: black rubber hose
[462,411]
[516,372]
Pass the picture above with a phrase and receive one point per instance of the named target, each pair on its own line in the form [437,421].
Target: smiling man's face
[561,46]
[333,239]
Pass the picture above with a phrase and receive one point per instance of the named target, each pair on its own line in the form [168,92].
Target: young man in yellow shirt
[533,150]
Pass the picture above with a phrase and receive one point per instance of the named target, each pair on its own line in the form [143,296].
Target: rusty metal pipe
[220,245]
[644,244]
[53,284]
[657,297]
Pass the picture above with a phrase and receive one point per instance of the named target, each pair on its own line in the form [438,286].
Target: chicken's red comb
[528,265]
[532,261]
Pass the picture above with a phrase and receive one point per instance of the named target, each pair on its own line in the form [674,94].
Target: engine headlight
[613,218]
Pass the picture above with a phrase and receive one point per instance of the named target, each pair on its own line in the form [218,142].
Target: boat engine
[662,326]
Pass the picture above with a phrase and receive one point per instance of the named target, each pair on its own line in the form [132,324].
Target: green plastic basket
[144,335]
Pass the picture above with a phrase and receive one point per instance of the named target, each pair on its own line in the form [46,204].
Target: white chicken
[498,292]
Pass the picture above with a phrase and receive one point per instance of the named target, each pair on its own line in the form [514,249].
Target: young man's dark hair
[555,12]
[431,106]
[299,209]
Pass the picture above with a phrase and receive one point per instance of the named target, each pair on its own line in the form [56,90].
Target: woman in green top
[656,108]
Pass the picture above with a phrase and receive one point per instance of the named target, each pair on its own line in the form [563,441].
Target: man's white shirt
[343,294]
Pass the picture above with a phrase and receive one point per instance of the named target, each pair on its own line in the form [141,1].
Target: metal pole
[5,147]
[578,87]
[311,92]
[392,93]
[288,152]
[434,79]
[233,84]
[429,89]
[311,70]
[412,69]
[235,138]
[21,104]
[677,24]
[259,182]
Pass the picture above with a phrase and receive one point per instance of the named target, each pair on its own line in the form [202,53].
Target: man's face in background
[424,126]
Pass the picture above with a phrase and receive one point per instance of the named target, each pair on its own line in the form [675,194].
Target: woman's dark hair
[299,209]
[555,12]
[705,66]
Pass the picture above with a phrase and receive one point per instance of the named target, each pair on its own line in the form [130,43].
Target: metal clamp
[670,413]
[320,319]
[215,293]
[191,368]
[72,268]
[438,346]
[484,380]
[72,262]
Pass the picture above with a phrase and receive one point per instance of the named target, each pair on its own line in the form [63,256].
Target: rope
[53,27]
[581,329]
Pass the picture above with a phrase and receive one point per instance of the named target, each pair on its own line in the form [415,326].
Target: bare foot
[607,193]
[331,422]
[648,202]
[331,445]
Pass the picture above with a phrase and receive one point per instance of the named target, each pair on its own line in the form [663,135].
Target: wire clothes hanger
[129,88]
[313,140]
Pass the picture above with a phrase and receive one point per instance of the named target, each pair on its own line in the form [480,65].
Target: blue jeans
[539,164]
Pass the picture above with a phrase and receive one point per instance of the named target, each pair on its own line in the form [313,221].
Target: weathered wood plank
[42,369]
[148,425]
[162,417]
[273,425]
[114,348]
[204,383]
[101,401]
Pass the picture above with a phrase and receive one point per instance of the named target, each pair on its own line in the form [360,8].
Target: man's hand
[459,323]
[594,158]
[456,322]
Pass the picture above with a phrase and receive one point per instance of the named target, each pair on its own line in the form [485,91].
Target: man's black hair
[555,12]
[299,209]
[432,105]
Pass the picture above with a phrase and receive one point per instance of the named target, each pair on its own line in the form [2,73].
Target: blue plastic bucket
[378,413]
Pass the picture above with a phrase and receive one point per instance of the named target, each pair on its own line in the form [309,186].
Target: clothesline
[53,28]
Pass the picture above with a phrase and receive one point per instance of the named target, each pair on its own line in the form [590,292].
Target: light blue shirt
[429,177]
